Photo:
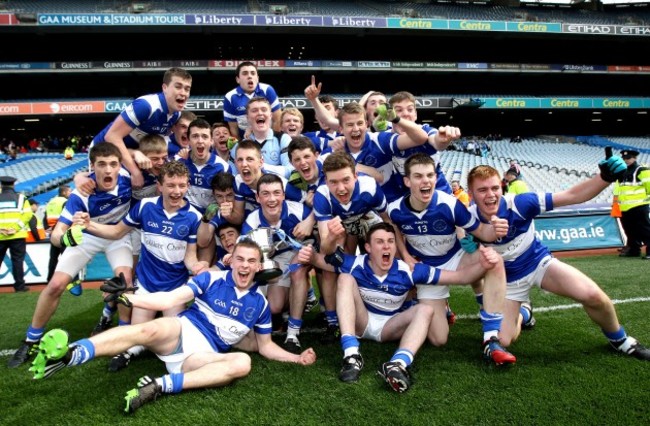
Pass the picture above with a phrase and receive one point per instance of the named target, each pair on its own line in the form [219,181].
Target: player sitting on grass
[371,291]
[228,311]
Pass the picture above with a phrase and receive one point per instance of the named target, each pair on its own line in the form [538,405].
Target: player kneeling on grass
[528,262]
[228,311]
[371,292]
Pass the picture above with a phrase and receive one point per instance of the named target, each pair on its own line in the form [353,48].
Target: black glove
[118,298]
[335,259]
[116,287]
[612,168]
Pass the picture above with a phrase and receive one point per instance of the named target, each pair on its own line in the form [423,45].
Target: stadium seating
[38,173]
[545,166]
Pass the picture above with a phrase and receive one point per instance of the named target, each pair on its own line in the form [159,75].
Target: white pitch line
[565,307]
[8,352]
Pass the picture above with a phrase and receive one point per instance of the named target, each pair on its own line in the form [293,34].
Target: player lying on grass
[228,311]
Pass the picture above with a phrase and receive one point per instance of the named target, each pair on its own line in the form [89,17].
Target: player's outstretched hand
[307,357]
[612,168]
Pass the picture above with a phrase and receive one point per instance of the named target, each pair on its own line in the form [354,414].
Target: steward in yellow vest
[15,214]
[633,193]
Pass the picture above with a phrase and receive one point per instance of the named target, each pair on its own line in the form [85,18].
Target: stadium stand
[545,166]
[483,12]
[38,173]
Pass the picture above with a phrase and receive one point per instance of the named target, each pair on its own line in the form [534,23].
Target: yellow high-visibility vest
[636,192]
[15,214]
[53,210]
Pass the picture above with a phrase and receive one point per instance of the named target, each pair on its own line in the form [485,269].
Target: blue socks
[34,334]
[491,324]
[82,351]
[350,345]
[403,356]
[171,383]
[332,318]
[617,337]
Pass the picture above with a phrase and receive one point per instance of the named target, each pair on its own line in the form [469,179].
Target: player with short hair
[228,311]
[108,204]
[428,218]
[251,167]
[168,225]
[370,299]
[292,219]
[154,113]
[203,164]
[178,144]
[529,263]
[249,86]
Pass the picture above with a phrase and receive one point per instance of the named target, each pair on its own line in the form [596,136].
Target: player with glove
[384,114]
[529,263]
[108,204]
[115,289]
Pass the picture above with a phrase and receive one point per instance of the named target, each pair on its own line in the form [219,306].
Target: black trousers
[17,250]
[636,225]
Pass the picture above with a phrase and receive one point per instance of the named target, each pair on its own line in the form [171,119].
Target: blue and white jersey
[321,139]
[231,164]
[367,196]
[272,148]
[247,194]
[377,151]
[216,221]
[385,295]
[292,214]
[147,115]
[431,234]
[200,191]
[107,207]
[172,146]
[521,249]
[223,313]
[149,189]
[165,237]
[399,160]
[222,266]
[235,101]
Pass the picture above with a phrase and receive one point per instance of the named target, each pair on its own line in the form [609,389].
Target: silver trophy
[263,237]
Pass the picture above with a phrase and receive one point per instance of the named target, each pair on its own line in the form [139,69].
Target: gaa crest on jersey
[370,160]
[183,230]
[249,314]
[439,225]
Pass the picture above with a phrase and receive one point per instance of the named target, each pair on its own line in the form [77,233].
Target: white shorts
[519,290]
[136,241]
[140,288]
[74,259]
[436,292]
[283,260]
[191,341]
[375,326]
